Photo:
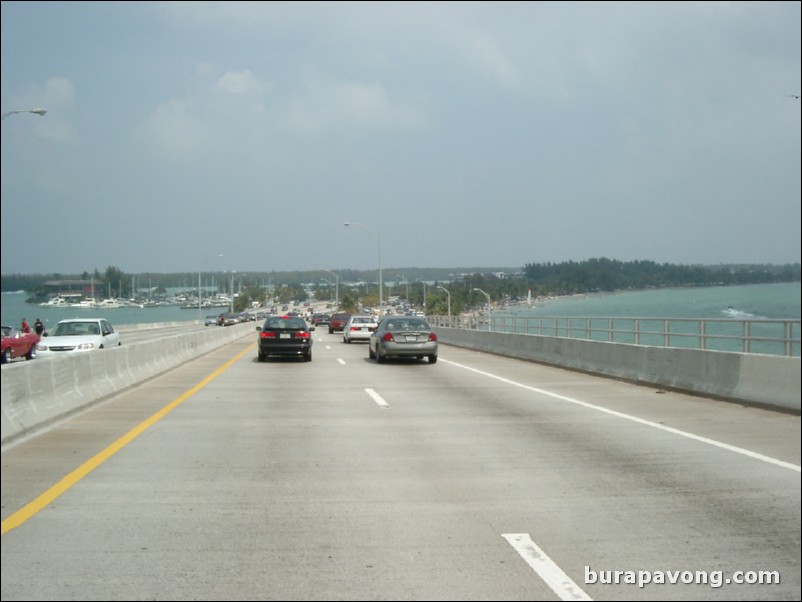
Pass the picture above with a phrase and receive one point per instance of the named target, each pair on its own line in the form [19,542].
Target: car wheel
[31,353]
[260,357]
[6,357]
[371,355]
[379,357]
[331,330]
[432,359]
[308,357]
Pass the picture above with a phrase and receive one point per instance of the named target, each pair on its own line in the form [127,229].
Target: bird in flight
[794,96]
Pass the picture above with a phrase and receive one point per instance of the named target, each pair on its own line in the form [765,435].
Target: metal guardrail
[773,337]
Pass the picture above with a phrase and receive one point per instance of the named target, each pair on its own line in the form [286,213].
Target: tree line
[464,288]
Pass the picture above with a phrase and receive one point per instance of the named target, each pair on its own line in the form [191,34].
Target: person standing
[26,328]
[38,327]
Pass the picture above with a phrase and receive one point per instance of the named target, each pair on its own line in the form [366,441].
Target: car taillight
[268,335]
[302,335]
[388,336]
[432,336]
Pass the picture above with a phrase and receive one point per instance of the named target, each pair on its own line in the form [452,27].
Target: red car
[18,344]
[337,322]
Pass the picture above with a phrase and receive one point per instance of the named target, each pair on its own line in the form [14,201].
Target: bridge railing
[773,337]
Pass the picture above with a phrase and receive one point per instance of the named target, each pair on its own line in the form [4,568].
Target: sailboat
[529,298]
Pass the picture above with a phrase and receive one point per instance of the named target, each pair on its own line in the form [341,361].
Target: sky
[206,136]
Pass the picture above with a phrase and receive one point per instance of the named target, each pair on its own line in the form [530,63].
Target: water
[676,316]
[754,301]
[14,308]
[747,302]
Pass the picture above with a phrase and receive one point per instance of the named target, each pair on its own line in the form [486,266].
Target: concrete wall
[40,392]
[765,380]
[37,393]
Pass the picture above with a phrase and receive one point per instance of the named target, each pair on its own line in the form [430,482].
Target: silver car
[403,336]
[359,328]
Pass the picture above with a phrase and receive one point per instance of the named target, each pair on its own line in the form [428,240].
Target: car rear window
[285,324]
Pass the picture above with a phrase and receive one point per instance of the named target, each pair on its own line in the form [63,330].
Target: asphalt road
[476,478]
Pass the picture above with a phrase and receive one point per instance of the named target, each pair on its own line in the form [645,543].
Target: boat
[55,302]
[88,303]
[108,304]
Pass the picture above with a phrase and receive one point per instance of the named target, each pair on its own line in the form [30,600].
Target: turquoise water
[14,309]
[675,317]
[754,301]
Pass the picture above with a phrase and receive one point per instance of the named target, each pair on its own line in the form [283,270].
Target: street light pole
[485,294]
[379,237]
[449,303]
[200,296]
[336,289]
[40,112]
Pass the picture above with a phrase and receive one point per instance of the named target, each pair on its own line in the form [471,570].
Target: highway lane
[476,478]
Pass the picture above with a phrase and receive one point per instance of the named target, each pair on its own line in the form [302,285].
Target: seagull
[794,96]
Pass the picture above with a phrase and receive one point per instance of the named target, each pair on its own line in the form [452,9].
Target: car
[337,321]
[403,336]
[319,319]
[78,335]
[18,344]
[359,328]
[211,321]
[287,336]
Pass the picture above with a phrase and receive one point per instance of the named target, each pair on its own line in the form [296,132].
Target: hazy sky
[461,134]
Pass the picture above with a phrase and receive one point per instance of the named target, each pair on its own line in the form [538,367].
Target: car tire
[371,355]
[379,357]
[31,355]
[432,359]
[6,357]
[308,357]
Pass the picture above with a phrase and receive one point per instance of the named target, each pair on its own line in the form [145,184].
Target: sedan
[403,336]
[337,321]
[359,328]
[285,336]
[78,335]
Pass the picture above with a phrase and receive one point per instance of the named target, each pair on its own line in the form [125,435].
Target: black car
[285,336]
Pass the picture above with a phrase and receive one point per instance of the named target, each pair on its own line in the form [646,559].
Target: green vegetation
[360,287]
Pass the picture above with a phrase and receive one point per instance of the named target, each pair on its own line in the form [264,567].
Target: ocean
[744,302]
[754,301]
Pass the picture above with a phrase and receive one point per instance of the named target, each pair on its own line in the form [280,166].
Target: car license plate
[285,335]
[411,338]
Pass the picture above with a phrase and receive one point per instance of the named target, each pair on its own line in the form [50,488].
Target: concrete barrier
[37,393]
[40,392]
[762,380]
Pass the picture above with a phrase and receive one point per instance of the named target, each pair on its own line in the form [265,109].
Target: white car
[359,328]
[78,335]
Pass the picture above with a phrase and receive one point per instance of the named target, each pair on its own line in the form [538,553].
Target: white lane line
[668,429]
[378,399]
[560,583]
[341,360]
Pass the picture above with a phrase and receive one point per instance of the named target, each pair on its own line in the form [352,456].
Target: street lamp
[40,112]
[200,295]
[406,281]
[336,288]
[485,294]
[449,303]
[379,237]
